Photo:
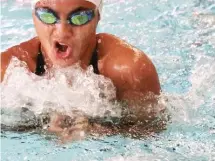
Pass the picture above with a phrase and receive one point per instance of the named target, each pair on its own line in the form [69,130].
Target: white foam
[63,90]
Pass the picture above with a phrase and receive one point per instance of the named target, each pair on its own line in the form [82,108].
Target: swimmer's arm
[145,114]
[142,91]
[134,76]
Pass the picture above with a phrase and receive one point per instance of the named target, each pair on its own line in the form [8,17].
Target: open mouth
[61,47]
[62,50]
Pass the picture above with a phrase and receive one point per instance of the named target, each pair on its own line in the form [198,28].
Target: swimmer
[66,35]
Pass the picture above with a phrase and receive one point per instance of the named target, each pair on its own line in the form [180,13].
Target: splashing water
[179,36]
[63,90]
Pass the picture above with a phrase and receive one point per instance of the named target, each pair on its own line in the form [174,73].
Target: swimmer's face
[65,44]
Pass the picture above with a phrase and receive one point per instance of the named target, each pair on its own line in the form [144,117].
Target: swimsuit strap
[40,70]
[40,65]
[94,61]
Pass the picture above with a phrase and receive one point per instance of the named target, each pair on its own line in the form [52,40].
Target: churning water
[179,37]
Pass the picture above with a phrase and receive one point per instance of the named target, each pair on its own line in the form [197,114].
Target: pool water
[179,37]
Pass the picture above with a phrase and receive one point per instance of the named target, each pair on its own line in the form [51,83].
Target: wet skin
[130,70]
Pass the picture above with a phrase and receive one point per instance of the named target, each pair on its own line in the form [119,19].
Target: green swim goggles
[76,18]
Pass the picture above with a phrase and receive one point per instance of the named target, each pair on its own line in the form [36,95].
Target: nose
[64,30]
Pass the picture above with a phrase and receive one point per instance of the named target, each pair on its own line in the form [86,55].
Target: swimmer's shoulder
[27,48]
[26,51]
[128,67]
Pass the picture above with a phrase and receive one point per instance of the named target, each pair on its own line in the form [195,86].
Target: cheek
[86,34]
[43,31]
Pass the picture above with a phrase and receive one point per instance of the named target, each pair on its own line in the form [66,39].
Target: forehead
[65,5]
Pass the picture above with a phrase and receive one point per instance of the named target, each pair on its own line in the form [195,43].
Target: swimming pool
[179,36]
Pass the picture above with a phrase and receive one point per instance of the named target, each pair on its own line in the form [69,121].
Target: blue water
[179,37]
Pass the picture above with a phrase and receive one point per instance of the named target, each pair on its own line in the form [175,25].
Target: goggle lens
[79,19]
[48,18]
